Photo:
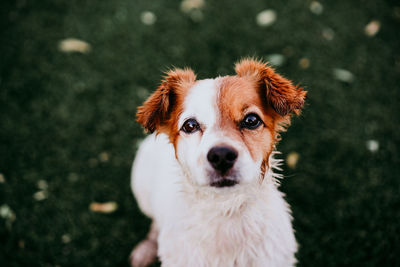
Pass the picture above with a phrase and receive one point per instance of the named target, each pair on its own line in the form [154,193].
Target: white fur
[201,104]
[248,224]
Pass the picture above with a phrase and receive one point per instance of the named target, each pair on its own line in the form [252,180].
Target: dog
[205,176]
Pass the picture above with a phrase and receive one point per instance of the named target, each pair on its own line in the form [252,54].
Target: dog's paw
[144,254]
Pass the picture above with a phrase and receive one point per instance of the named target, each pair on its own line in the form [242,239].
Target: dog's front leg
[145,253]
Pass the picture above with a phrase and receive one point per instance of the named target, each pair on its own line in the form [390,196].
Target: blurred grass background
[68,136]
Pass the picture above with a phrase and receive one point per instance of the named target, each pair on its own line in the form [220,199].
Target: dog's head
[224,129]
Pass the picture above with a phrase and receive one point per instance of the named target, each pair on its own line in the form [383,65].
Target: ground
[68,134]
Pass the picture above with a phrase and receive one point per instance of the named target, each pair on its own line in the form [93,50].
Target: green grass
[60,111]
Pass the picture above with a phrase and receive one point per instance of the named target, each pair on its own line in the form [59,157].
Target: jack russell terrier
[206,175]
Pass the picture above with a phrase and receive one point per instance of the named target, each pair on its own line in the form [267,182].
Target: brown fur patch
[281,98]
[258,89]
[282,95]
[161,110]
[239,97]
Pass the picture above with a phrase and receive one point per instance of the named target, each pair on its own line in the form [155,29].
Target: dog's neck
[231,200]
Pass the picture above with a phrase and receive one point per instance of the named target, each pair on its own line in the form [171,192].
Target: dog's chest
[235,240]
[249,229]
[222,234]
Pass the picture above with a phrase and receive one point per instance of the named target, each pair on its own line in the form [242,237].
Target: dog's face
[224,129]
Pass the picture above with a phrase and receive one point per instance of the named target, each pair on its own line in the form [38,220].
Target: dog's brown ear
[156,110]
[282,95]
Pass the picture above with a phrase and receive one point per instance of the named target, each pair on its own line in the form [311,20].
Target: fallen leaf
[292,159]
[328,34]
[276,59]
[372,145]
[343,75]
[6,212]
[266,18]
[372,28]
[148,18]
[106,207]
[316,7]
[189,5]
[74,45]
[104,157]
[65,238]
[40,195]
[304,63]
[8,215]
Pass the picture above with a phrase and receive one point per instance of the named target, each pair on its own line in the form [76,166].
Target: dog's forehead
[201,102]
[208,100]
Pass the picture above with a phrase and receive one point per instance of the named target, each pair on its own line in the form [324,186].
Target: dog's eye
[190,126]
[251,121]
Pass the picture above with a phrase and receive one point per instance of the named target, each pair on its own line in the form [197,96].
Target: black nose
[222,158]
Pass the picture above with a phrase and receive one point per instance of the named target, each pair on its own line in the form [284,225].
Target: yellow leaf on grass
[74,45]
[106,207]
[292,159]
[372,28]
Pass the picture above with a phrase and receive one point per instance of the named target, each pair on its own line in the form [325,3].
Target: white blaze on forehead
[201,103]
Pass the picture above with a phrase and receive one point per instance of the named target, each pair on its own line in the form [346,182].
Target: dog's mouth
[224,182]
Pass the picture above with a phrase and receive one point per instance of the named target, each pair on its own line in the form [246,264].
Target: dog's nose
[222,158]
